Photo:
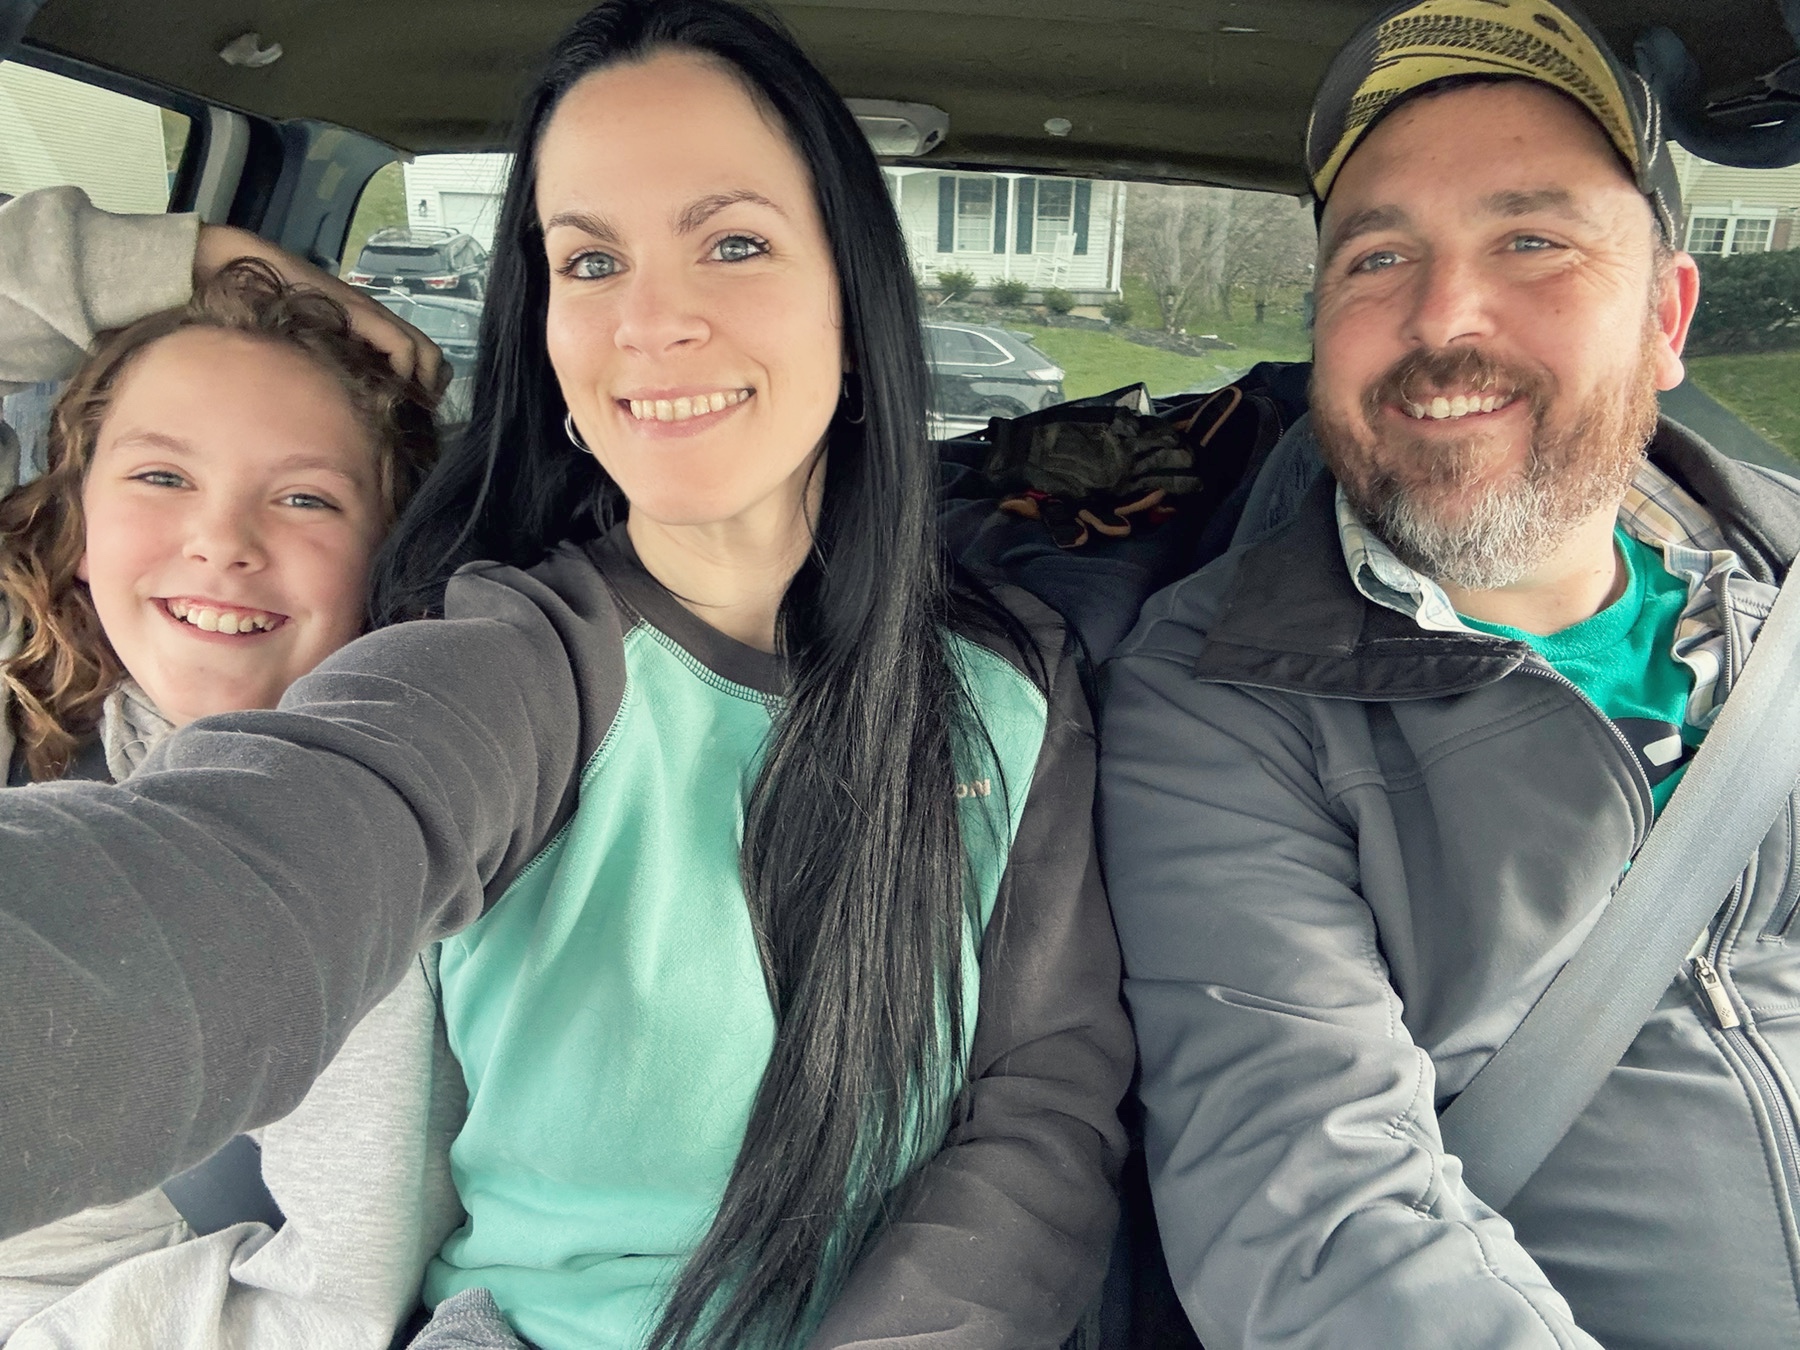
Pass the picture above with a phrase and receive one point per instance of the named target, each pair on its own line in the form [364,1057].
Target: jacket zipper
[1750,1054]
[1715,986]
[1706,972]
[1714,989]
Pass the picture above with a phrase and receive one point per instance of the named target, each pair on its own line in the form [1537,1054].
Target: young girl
[793,1017]
[220,477]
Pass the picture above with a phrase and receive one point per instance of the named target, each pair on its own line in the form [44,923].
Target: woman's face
[232,510]
[694,320]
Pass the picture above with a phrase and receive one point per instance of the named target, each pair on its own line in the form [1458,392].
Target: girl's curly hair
[65,667]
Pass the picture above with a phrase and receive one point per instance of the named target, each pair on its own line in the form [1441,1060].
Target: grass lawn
[1097,362]
[1763,389]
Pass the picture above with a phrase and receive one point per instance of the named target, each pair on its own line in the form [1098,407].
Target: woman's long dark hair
[852,861]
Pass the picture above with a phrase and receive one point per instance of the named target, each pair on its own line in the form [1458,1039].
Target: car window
[1111,282]
[981,350]
[1743,354]
[1182,288]
[419,242]
[53,130]
[124,152]
[454,194]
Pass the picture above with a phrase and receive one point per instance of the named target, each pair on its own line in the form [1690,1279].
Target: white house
[457,192]
[1737,210]
[55,130]
[1064,232]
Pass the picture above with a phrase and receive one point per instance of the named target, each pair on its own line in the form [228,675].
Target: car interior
[281,115]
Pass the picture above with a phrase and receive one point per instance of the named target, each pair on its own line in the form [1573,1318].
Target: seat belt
[1521,1103]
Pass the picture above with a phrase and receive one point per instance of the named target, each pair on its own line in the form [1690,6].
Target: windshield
[1035,289]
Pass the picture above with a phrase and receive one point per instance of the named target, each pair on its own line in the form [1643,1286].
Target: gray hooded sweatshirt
[1346,855]
[361,1168]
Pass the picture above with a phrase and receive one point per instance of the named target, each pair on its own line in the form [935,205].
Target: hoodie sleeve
[1005,1236]
[69,270]
[182,954]
[1302,1190]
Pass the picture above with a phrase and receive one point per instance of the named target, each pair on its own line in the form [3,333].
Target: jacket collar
[1291,619]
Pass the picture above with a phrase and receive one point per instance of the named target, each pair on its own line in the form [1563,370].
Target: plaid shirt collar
[1656,511]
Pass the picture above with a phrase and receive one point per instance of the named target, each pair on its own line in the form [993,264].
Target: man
[1369,781]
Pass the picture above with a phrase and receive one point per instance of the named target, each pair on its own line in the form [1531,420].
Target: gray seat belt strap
[1523,1101]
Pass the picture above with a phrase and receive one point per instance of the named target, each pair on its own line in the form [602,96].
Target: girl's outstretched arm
[181,954]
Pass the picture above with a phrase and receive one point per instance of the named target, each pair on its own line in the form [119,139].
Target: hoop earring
[574,435]
[852,396]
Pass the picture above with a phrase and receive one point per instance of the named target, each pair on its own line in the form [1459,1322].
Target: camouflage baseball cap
[1419,42]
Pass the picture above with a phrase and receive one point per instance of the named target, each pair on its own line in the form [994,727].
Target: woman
[219,477]
[752,790]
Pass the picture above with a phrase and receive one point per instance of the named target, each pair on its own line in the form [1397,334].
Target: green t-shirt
[1623,659]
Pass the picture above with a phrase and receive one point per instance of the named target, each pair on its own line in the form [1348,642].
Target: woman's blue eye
[739,247]
[591,266]
[160,478]
[308,500]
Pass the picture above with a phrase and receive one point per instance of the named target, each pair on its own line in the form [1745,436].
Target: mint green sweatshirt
[610,1011]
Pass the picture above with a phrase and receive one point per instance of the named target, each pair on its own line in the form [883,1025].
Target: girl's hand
[410,351]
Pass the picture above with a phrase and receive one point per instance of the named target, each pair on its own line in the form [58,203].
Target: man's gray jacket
[1346,855]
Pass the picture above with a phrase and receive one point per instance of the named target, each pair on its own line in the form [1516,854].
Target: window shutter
[1000,199]
[1027,214]
[1084,201]
[946,214]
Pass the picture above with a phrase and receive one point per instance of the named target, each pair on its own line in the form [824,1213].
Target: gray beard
[1503,537]
[1510,529]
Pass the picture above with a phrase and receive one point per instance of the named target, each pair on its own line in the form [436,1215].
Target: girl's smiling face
[232,509]
[693,318]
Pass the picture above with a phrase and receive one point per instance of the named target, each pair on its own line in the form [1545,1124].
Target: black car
[979,372]
[455,325]
[438,262]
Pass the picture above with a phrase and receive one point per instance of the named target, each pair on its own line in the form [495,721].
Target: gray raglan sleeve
[181,954]
[1302,1190]
[69,270]
[1005,1238]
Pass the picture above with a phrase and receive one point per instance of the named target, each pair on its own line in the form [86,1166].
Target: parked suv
[979,372]
[439,261]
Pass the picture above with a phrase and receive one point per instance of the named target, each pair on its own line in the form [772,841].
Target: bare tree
[1174,239]
[1270,244]
[1195,245]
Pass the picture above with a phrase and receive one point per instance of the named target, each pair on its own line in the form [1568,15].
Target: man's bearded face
[1445,506]
[1492,325]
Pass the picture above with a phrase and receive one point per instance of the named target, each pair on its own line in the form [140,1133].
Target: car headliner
[1182,90]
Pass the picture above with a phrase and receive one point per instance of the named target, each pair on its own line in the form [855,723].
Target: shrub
[1748,303]
[1008,292]
[956,284]
[1117,311]
[1058,301]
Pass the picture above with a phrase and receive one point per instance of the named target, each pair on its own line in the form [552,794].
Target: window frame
[186,183]
[1049,227]
[984,242]
[1732,218]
